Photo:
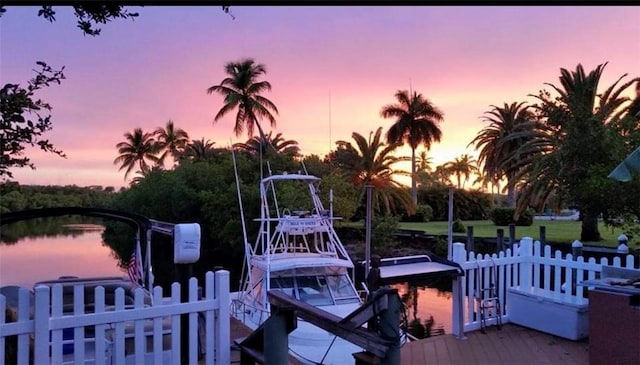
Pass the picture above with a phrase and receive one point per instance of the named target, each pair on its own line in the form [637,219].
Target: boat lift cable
[244,227]
[329,348]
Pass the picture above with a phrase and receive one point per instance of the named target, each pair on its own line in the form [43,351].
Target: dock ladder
[487,298]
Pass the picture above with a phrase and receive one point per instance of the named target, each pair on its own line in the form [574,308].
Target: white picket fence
[138,333]
[530,268]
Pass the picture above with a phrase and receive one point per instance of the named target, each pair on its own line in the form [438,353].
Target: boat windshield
[317,290]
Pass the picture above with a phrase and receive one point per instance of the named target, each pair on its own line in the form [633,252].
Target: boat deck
[511,345]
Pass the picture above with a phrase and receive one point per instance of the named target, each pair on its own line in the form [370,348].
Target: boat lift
[269,343]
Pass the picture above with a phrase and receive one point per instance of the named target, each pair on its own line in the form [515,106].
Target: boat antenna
[329,119]
[273,191]
[261,171]
[247,248]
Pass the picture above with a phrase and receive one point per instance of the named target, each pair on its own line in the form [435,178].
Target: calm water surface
[427,305]
[35,259]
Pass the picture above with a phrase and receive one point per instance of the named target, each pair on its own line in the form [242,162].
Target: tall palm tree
[416,124]
[276,143]
[574,146]
[462,166]
[497,144]
[200,150]
[424,162]
[371,162]
[138,149]
[171,141]
[242,90]
[442,174]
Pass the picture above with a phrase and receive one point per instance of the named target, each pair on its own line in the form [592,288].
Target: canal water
[82,252]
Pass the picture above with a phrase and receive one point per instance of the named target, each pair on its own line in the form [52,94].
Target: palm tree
[141,175]
[242,90]
[461,166]
[200,150]
[171,141]
[371,163]
[498,146]
[424,162]
[278,144]
[138,149]
[442,174]
[574,146]
[416,124]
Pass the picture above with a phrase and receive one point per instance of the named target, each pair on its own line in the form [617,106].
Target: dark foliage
[503,216]
[467,205]
[25,119]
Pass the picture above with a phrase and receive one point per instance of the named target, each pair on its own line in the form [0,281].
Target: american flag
[133,269]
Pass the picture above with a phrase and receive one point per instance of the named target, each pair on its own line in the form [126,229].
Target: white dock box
[539,310]
[186,243]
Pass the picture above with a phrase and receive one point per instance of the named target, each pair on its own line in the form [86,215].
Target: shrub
[382,229]
[424,213]
[441,247]
[458,226]
[503,216]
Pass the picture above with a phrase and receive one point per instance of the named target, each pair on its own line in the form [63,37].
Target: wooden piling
[470,241]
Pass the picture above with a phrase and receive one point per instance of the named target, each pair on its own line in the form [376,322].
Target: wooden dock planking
[511,345]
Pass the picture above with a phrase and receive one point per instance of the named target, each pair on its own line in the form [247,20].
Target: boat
[298,252]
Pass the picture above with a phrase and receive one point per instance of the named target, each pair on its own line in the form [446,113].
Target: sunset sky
[332,69]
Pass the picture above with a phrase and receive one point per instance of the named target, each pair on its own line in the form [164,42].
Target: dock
[511,345]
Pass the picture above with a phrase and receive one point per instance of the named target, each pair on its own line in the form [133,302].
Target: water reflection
[80,253]
[46,227]
[428,306]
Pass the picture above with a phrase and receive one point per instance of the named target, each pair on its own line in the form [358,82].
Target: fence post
[41,325]
[222,324]
[543,236]
[512,234]
[525,252]
[576,249]
[470,241]
[500,240]
[457,313]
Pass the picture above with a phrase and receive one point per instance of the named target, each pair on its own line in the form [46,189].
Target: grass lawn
[557,231]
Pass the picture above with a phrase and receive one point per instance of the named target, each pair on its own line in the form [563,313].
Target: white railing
[527,267]
[117,334]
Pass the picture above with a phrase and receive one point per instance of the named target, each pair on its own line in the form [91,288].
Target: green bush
[382,229]
[424,213]
[441,247]
[503,216]
[458,227]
